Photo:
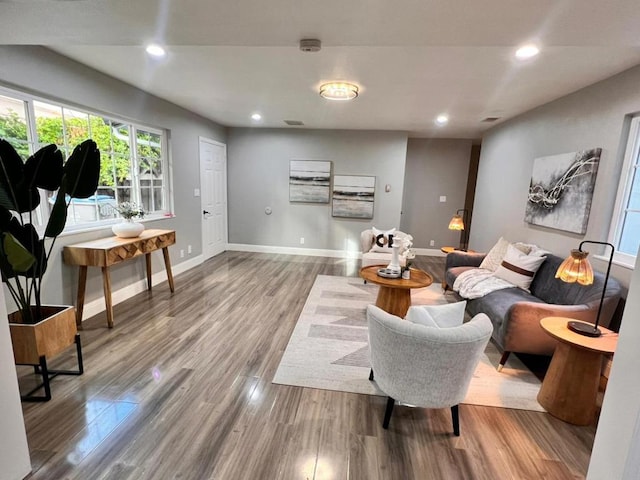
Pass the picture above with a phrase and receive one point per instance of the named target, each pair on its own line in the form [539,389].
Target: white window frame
[134,126]
[632,152]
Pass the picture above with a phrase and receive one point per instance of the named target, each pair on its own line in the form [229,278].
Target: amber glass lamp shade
[456,223]
[576,268]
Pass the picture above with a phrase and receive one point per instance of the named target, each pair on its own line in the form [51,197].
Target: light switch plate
[443,198]
[196,192]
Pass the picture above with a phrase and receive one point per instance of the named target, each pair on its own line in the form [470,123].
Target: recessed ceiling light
[339,91]
[256,117]
[527,51]
[156,50]
[442,119]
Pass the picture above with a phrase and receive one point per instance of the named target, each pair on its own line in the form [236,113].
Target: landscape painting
[561,189]
[353,196]
[309,181]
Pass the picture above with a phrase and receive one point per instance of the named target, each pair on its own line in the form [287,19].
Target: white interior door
[213,188]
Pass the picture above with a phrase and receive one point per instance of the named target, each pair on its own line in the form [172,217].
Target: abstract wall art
[353,196]
[561,190]
[309,181]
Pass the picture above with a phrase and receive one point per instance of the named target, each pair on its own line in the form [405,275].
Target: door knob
[204,212]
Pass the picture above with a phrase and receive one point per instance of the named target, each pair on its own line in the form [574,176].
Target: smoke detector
[310,45]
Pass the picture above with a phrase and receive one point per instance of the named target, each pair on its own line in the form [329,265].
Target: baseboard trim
[97,306]
[313,252]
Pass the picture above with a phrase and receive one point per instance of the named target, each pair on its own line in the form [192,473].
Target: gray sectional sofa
[516,314]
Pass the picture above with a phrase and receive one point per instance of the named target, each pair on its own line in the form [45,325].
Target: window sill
[108,224]
[623,262]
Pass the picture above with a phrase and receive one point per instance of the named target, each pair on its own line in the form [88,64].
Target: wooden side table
[109,251]
[570,387]
[394,294]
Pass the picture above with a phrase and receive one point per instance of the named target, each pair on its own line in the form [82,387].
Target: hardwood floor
[181,388]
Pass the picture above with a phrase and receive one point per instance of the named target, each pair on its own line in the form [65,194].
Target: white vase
[127,228]
[395,259]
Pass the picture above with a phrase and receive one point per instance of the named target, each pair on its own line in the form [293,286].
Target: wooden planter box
[45,338]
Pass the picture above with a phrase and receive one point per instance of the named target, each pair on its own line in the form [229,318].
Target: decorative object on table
[353,196]
[128,228]
[576,268]
[309,181]
[458,222]
[561,190]
[39,331]
[409,255]
[394,264]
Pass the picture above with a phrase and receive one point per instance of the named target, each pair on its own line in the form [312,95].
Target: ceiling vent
[294,123]
[310,45]
[490,119]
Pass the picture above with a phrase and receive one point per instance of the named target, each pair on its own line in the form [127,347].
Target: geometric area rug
[329,348]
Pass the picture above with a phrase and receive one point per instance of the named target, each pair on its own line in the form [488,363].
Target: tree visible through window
[133,159]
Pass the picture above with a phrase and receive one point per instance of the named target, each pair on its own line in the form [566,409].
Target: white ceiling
[413,59]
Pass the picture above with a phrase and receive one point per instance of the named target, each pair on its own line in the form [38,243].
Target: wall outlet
[189,249]
[301,240]
[443,198]
[181,253]
[432,243]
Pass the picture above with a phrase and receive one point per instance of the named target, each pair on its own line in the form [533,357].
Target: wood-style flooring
[181,389]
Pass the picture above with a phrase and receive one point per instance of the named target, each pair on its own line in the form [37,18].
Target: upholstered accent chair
[425,366]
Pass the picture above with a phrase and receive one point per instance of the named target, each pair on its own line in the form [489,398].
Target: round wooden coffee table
[570,387]
[394,295]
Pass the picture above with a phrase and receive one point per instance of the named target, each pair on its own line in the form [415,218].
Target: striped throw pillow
[519,268]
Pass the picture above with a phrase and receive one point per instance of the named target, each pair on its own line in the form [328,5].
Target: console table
[112,250]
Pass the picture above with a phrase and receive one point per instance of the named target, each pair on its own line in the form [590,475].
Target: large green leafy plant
[24,255]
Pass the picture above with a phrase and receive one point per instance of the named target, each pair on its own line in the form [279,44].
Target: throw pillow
[518,268]
[382,240]
[441,316]
[494,258]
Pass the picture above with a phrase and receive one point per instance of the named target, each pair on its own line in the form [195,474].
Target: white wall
[258,176]
[592,117]
[14,451]
[616,450]
[43,72]
[435,168]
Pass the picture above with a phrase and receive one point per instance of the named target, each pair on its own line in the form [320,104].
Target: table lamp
[458,223]
[576,268]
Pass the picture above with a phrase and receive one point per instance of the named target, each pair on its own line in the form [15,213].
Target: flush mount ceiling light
[155,50]
[339,91]
[442,119]
[256,117]
[527,51]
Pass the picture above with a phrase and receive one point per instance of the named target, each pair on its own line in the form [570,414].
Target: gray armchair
[424,366]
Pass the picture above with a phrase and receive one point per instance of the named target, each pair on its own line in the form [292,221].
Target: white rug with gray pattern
[328,348]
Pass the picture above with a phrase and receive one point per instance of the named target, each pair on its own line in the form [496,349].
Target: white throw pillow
[518,268]
[382,240]
[441,316]
[494,258]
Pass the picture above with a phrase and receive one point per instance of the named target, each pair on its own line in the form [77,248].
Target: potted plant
[129,228]
[24,254]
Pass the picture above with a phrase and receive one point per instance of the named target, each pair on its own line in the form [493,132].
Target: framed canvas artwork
[561,189]
[309,181]
[353,196]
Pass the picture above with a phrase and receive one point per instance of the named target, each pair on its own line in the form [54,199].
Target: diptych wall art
[353,196]
[561,189]
[309,181]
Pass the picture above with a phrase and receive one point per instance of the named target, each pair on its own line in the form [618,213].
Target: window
[133,157]
[626,223]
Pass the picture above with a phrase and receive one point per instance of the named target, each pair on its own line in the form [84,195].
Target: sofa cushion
[494,258]
[382,240]
[441,316]
[519,268]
